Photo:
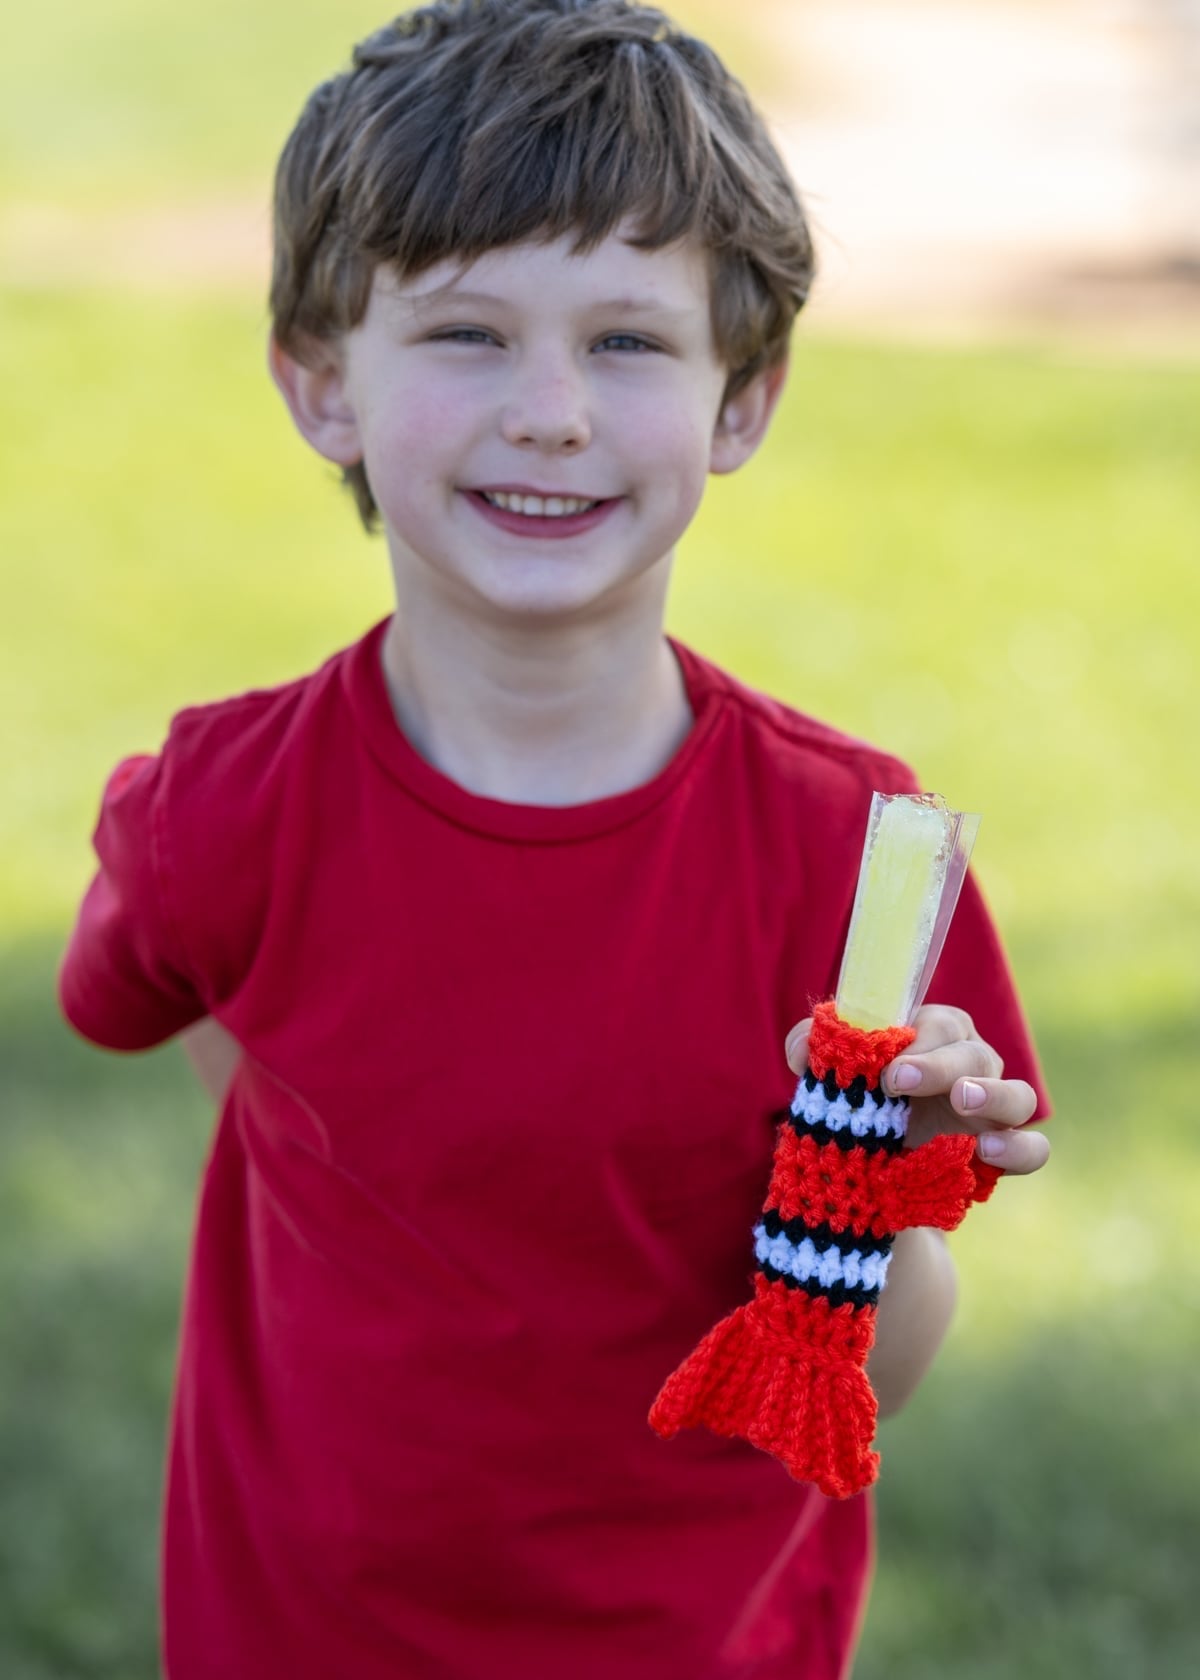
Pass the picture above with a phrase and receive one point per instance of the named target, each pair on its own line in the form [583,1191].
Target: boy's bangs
[621,143]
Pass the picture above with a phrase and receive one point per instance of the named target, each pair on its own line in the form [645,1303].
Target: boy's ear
[318,400]
[744,418]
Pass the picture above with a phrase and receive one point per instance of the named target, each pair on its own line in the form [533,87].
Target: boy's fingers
[1016,1152]
[796,1046]
[993,1102]
[933,1074]
[983,1106]
[939,1024]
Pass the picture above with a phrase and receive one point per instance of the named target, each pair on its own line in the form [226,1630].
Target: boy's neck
[538,715]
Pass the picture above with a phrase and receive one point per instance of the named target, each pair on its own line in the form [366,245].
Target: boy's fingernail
[992,1146]
[906,1077]
[973,1095]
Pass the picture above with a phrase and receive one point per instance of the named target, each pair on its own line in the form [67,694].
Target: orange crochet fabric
[787,1372]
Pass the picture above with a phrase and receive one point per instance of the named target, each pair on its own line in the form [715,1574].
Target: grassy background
[1006,537]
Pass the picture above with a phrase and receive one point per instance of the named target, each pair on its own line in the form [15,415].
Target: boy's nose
[548,410]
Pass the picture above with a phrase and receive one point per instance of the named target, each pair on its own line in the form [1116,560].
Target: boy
[499,920]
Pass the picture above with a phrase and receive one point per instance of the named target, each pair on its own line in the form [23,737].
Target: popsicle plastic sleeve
[786,1371]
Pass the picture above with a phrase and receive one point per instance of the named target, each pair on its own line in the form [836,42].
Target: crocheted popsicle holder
[786,1372]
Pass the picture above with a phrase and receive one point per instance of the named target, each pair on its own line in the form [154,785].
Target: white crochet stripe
[807,1263]
[886,1119]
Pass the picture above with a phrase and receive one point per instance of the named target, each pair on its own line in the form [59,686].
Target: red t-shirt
[487,1170]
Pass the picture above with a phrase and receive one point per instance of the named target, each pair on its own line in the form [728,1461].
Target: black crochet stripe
[845,1139]
[837,1294]
[823,1235]
[856,1093]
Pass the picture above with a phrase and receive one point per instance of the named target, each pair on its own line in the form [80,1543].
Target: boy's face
[537,428]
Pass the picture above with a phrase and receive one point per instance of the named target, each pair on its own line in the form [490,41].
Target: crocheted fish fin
[986,1179]
[932,1185]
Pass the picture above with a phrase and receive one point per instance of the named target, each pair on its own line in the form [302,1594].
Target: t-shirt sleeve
[974,975]
[125,981]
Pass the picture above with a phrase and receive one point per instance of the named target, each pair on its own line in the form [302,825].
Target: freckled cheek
[690,450]
[413,444]
[667,445]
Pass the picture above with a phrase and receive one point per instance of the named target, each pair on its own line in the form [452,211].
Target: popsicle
[787,1371]
[913,863]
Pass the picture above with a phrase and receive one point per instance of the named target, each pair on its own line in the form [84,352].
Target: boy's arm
[213,1054]
[913,1317]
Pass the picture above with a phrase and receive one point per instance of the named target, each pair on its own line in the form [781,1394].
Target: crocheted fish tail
[787,1372]
[818,1416]
[719,1384]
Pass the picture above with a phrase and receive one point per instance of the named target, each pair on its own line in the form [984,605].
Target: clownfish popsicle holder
[786,1372]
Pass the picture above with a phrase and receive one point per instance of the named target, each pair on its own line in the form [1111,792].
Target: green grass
[983,560]
[135,100]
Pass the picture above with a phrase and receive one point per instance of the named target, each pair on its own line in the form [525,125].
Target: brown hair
[472,124]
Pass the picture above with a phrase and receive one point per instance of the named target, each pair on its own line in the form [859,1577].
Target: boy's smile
[528,512]
[537,427]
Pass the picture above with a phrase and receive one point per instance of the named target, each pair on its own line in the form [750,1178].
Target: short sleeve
[974,975]
[124,982]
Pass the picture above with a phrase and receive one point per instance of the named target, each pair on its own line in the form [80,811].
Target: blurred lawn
[985,561]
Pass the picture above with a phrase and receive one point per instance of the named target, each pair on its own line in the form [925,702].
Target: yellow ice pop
[911,845]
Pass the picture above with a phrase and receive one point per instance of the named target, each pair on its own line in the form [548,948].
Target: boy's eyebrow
[626,303]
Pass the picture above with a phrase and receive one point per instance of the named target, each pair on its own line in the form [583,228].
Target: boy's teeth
[538,507]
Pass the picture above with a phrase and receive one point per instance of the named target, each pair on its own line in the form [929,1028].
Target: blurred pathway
[980,165]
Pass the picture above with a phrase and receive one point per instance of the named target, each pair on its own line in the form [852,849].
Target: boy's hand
[954,1083]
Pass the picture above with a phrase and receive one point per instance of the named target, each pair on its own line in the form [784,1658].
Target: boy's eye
[625,341]
[462,335]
